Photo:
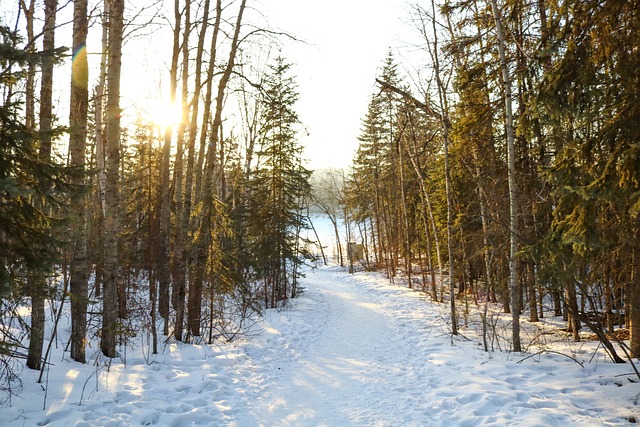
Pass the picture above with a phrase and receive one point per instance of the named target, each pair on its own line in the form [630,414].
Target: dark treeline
[513,165]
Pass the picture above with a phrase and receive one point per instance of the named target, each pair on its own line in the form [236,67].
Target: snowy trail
[353,350]
[342,373]
[359,352]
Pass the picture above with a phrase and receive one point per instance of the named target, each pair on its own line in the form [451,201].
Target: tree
[513,190]
[112,167]
[29,111]
[38,282]
[587,99]
[179,259]
[32,187]
[163,256]
[440,76]
[328,196]
[277,187]
[208,238]
[196,283]
[377,169]
[79,102]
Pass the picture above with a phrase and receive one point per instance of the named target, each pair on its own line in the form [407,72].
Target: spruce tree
[588,99]
[32,187]
[277,188]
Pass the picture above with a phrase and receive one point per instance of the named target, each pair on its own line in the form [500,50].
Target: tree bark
[100,147]
[79,101]
[30,109]
[180,259]
[200,255]
[446,127]
[38,281]
[514,286]
[634,304]
[112,167]
[164,279]
[196,283]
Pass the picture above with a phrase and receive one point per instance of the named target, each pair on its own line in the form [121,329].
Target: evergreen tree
[377,169]
[588,99]
[277,189]
[32,187]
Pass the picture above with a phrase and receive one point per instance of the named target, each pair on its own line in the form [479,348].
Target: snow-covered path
[358,352]
[354,368]
[352,351]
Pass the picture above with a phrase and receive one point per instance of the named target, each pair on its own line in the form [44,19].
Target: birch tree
[514,284]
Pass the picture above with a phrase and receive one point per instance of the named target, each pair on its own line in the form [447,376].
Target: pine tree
[32,187]
[377,169]
[588,99]
[277,188]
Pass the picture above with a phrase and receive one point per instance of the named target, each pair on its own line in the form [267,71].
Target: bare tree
[194,303]
[164,278]
[79,100]
[112,168]
[29,11]
[179,260]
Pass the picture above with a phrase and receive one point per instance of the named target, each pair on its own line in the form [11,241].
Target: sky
[342,46]
[346,42]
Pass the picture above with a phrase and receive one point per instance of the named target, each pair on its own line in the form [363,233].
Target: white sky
[347,42]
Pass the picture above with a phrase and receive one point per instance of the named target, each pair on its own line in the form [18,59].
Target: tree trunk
[514,286]
[206,116]
[38,282]
[571,303]
[112,169]
[164,280]
[200,252]
[100,147]
[634,304]
[446,125]
[531,281]
[405,218]
[208,190]
[30,109]
[425,202]
[180,258]
[37,286]
[196,282]
[79,101]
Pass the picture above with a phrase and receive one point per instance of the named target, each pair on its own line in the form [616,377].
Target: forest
[501,167]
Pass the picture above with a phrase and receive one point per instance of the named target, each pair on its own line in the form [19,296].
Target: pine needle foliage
[277,189]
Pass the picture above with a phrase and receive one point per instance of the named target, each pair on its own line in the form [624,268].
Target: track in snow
[350,366]
[355,351]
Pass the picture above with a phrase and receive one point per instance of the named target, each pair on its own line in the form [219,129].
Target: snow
[353,350]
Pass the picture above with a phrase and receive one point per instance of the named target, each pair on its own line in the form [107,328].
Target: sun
[164,113]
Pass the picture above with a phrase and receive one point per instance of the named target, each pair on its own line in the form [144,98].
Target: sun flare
[164,113]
